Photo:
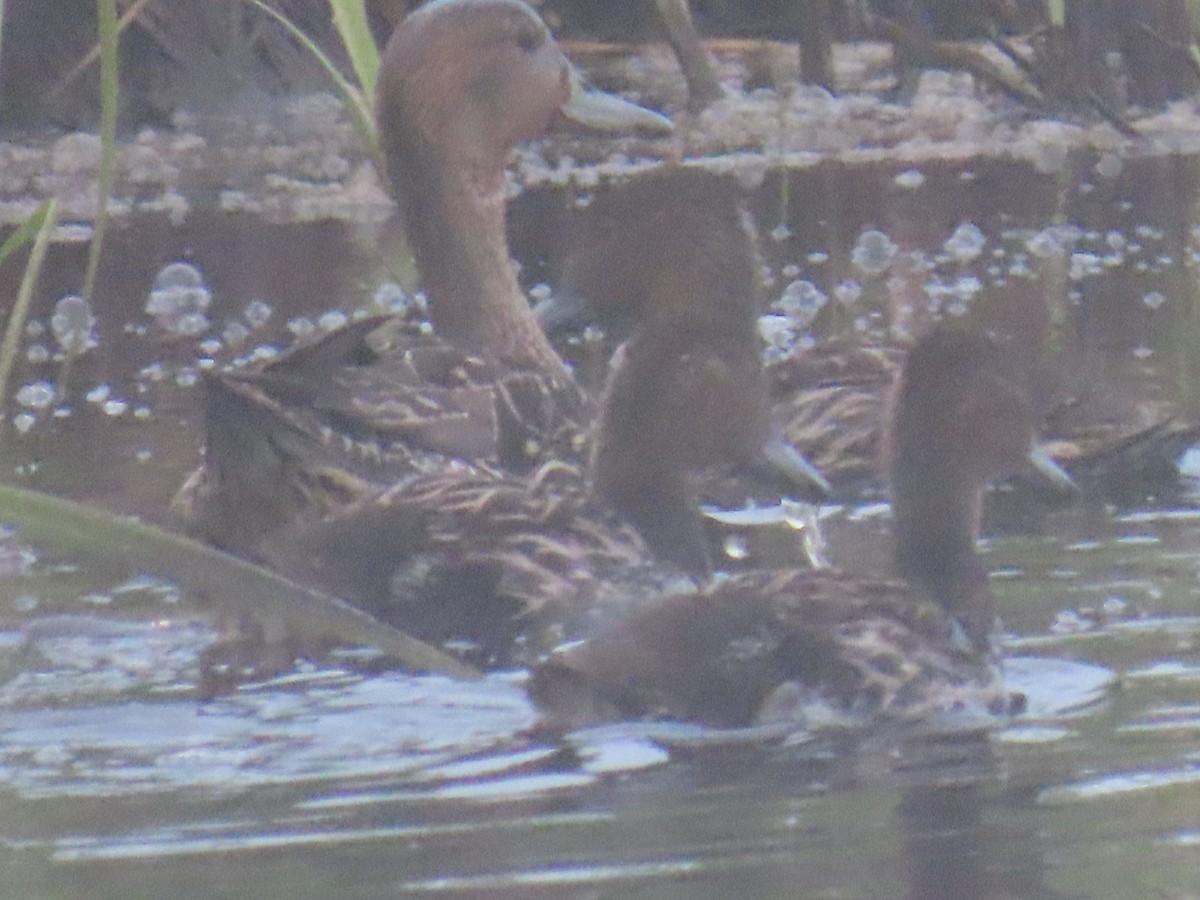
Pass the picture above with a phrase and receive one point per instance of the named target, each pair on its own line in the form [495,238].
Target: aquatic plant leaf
[350,19]
[109,33]
[216,580]
[25,232]
[1056,11]
[39,226]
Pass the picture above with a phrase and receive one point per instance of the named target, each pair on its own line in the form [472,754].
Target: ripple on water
[1057,687]
[59,737]
[1120,784]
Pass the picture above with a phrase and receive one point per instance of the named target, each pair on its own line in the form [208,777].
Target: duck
[503,566]
[666,236]
[329,422]
[776,645]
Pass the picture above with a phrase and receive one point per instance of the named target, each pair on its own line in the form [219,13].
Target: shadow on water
[115,781]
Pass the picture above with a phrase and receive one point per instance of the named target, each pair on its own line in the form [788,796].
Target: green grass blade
[25,233]
[1056,10]
[218,581]
[106,14]
[46,218]
[355,101]
[350,20]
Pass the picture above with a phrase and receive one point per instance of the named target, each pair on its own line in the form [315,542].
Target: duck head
[682,400]
[461,82]
[673,243]
[671,259]
[959,418]
[471,78]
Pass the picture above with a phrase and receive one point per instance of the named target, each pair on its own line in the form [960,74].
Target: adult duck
[509,565]
[667,237]
[461,82]
[766,645]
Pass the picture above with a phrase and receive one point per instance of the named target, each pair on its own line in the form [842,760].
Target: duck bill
[785,460]
[1043,474]
[606,112]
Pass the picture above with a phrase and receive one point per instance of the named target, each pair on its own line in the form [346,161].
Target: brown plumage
[511,565]
[460,83]
[666,238]
[764,645]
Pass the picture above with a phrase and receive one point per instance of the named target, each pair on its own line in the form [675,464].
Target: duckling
[766,645]
[665,237]
[461,82]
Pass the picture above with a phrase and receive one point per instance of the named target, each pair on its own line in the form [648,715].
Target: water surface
[115,781]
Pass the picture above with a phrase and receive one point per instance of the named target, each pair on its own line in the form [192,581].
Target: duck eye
[529,39]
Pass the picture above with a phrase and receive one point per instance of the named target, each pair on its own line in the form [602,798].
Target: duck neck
[635,468]
[937,510]
[456,228]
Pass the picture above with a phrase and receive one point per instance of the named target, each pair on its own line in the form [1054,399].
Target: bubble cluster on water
[969,262]
[73,325]
[179,300]
[36,395]
[235,333]
[390,297]
[847,292]
[910,179]
[873,252]
[801,301]
[301,326]
[332,319]
[257,313]
[780,336]
[1085,264]
[966,243]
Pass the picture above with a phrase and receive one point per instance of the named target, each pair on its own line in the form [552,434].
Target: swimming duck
[766,645]
[461,82]
[666,236]
[508,565]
